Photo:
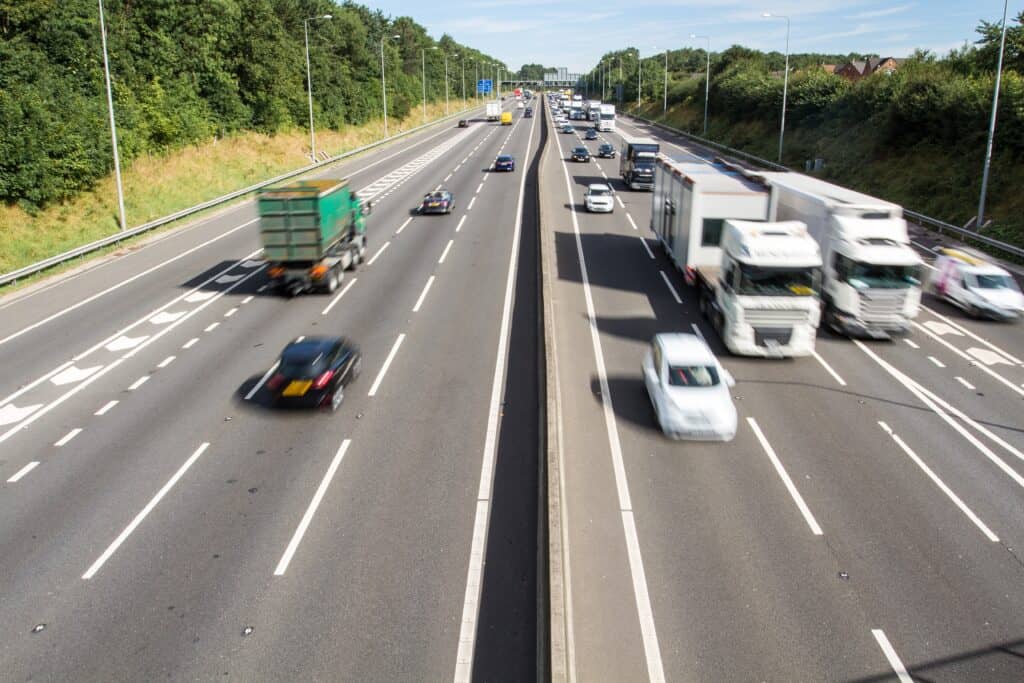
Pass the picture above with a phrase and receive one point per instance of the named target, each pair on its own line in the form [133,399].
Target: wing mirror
[368,208]
[727,377]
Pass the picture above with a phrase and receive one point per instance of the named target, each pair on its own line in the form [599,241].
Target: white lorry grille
[882,305]
[774,318]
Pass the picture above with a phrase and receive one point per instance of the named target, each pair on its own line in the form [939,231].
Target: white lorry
[871,275]
[493,110]
[606,118]
[592,109]
[757,281]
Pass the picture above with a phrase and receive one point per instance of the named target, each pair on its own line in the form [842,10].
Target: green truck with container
[312,232]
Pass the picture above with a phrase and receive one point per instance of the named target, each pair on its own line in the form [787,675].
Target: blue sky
[575,36]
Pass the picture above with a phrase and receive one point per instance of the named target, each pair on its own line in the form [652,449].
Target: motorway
[159,520]
[867,522]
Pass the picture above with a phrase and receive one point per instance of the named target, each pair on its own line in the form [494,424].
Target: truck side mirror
[367,208]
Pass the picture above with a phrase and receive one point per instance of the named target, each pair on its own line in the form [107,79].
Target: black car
[580,154]
[314,372]
[606,151]
[463,123]
[528,113]
[505,162]
[440,201]
[591,134]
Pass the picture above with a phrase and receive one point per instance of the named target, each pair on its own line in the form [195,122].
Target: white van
[982,289]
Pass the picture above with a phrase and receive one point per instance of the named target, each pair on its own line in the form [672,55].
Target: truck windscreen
[876,275]
[759,281]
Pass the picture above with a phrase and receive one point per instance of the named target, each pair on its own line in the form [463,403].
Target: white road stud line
[138,383]
[965,383]
[630,219]
[619,200]
[112,548]
[970,359]
[444,253]
[911,343]
[478,188]
[790,486]
[828,368]
[67,437]
[211,327]
[470,207]
[379,252]
[461,221]
[423,295]
[190,343]
[387,364]
[964,330]
[941,484]
[14,478]
[890,654]
[447,177]
[668,283]
[106,409]
[247,299]
[166,361]
[328,307]
[263,380]
[646,248]
[402,226]
[936,362]
[307,517]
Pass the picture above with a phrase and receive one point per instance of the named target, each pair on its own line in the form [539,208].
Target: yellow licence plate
[297,388]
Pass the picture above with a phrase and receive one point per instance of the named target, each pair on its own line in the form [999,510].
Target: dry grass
[156,186]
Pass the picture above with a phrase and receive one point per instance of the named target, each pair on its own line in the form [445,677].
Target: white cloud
[883,12]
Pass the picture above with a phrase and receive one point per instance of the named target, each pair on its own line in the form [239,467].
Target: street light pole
[707,81]
[309,83]
[785,81]
[113,126]
[664,105]
[463,58]
[639,76]
[423,57]
[383,82]
[992,125]
[446,84]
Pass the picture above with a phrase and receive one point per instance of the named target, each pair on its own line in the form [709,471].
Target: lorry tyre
[332,281]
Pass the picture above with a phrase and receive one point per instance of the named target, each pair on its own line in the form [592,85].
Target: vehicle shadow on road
[995,660]
[220,277]
[629,399]
[263,403]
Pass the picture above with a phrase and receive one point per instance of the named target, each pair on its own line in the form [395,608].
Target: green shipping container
[303,220]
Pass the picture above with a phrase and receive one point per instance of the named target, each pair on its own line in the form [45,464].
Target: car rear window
[303,366]
[693,375]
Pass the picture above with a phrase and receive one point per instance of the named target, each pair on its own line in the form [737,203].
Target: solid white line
[263,380]
[22,472]
[981,366]
[321,490]
[67,437]
[461,221]
[379,252]
[630,219]
[231,312]
[619,200]
[423,295]
[138,383]
[145,511]
[166,361]
[106,409]
[668,283]
[470,204]
[327,309]
[402,226]
[645,614]
[478,188]
[964,330]
[647,248]
[936,362]
[911,343]
[387,364]
[890,654]
[965,383]
[797,498]
[211,327]
[445,252]
[942,486]
[190,343]
[835,375]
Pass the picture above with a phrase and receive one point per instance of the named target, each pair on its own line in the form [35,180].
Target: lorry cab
[980,288]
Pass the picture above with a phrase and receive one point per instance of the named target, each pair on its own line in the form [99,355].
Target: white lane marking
[619,200]
[402,226]
[164,317]
[790,486]
[387,364]
[22,472]
[828,368]
[445,252]
[461,221]
[474,574]
[645,613]
[942,328]
[668,283]
[106,409]
[911,343]
[138,383]
[478,188]
[307,517]
[11,413]
[74,374]
[423,295]
[967,357]
[646,247]
[34,384]
[933,401]
[447,177]
[67,437]
[231,312]
[696,331]
[125,342]
[965,383]
[987,357]
[133,278]
[247,299]
[973,336]
[468,208]
[197,297]
[328,307]
[112,548]
[630,219]
[256,387]
[890,654]
[228,279]
[300,338]
[190,343]
[941,484]
[379,252]
[166,361]
[935,361]
[211,327]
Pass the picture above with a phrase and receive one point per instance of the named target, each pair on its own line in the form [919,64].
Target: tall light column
[309,83]
[707,80]
[383,82]
[113,126]
[664,105]
[785,80]
[992,125]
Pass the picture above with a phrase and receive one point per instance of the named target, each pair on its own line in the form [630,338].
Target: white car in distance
[689,389]
[599,199]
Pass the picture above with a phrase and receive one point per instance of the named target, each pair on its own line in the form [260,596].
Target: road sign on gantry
[484,86]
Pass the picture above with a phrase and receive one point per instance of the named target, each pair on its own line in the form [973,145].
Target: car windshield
[436,195]
[994,282]
[693,375]
[580,150]
[879,276]
[599,192]
[606,148]
[504,157]
[758,281]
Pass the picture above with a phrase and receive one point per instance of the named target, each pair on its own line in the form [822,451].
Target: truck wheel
[332,280]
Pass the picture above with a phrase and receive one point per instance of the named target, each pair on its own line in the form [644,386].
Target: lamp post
[707,80]
[664,105]
[639,76]
[445,83]
[383,82]
[992,124]
[423,78]
[309,82]
[463,58]
[113,127]
[785,80]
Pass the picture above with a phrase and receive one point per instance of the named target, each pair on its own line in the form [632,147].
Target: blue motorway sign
[484,86]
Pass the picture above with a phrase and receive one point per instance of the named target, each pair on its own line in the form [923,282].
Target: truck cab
[636,162]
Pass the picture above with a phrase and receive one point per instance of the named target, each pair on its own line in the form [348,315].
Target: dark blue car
[505,162]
